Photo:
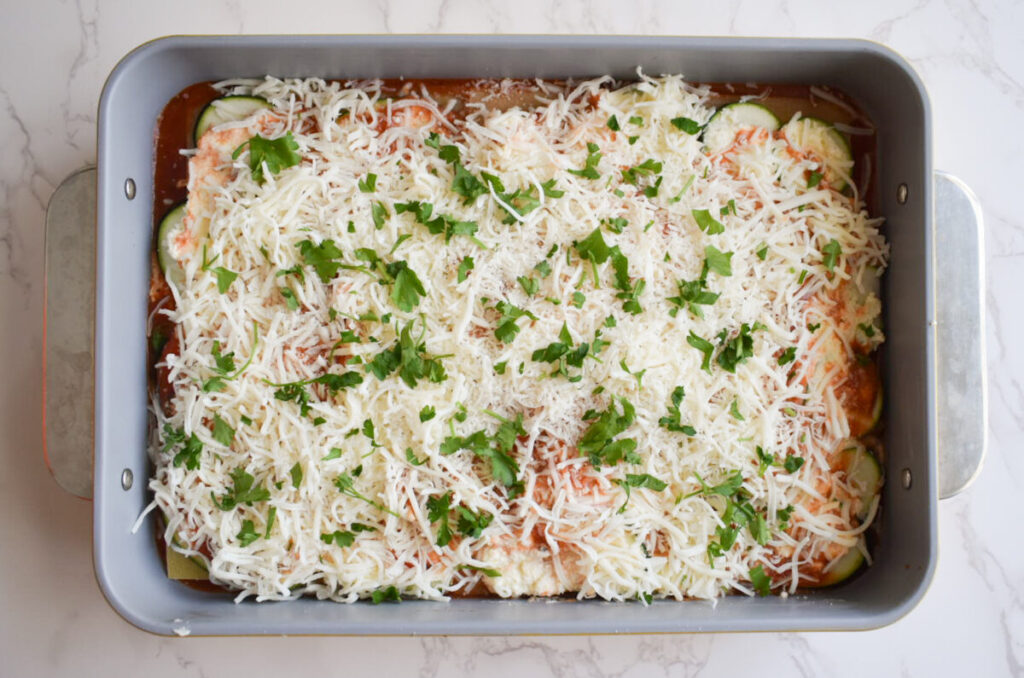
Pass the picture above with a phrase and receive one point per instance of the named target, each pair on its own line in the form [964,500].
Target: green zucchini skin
[864,472]
[729,119]
[170,225]
[226,109]
[826,142]
[844,567]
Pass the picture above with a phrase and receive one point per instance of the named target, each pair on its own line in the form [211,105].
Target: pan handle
[68,320]
[961,402]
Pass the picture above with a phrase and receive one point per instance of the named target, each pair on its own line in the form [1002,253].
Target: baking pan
[128,566]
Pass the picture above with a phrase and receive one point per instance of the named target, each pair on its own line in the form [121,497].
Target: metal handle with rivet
[70,303]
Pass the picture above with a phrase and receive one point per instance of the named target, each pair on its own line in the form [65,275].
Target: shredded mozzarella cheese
[572,528]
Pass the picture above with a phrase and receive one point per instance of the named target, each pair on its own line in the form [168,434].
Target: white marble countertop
[54,57]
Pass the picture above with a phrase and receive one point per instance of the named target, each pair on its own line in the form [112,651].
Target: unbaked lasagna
[506,338]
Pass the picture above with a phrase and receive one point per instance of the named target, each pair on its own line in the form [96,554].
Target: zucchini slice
[729,119]
[226,109]
[170,226]
[827,143]
[843,567]
[864,474]
[180,566]
[876,411]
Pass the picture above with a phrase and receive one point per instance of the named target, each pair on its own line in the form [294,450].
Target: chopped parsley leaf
[465,266]
[704,346]
[589,170]
[761,581]
[247,534]
[529,285]
[296,390]
[345,484]
[383,595]
[409,357]
[438,508]
[192,447]
[830,254]
[594,248]
[322,258]
[687,125]
[646,168]
[439,224]
[563,354]
[341,539]
[495,448]
[764,460]
[289,297]
[640,480]
[271,517]
[274,154]
[673,421]
[243,491]
[737,350]
[369,184]
[706,222]
[550,191]
[507,328]
[222,432]
[719,262]
[598,441]
[406,286]
[639,376]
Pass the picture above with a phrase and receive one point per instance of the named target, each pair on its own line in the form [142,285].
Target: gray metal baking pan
[128,566]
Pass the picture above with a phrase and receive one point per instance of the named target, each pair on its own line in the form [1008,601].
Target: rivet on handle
[129,188]
[127,478]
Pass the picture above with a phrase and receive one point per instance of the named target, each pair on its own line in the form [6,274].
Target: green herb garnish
[243,491]
[674,420]
[248,533]
[274,154]
[830,254]
[598,441]
[687,125]
[409,357]
[706,222]
[589,170]
[222,432]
